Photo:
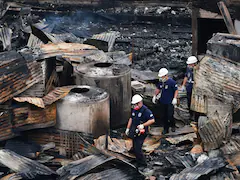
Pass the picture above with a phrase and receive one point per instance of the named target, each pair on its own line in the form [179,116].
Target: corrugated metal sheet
[9,56]
[80,167]
[108,37]
[61,49]
[179,139]
[27,117]
[5,124]
[34,41]
[186,160]
[92,166]
[56,94]
[17,76]
[233,146]
[6,37]
[111,173]
[212,133]
[29,113]
[67,143]
[73,52]
[26,168]
[114,145]
[199,170]
[219,78]
[218,75]
[38,89]
[32,100]
[223,176]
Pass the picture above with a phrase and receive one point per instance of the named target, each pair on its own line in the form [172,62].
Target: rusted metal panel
[67,143]
[218,74]
[32,100]
[5,124]
[17,76]
[115,145]
[9,56]
[179,139]
[222,79]
[87,56]
[74,52]
[28,117]
[38,89]
[53,79]
[50,50]
[56,94]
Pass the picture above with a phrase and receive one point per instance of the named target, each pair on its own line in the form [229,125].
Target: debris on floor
[53,128]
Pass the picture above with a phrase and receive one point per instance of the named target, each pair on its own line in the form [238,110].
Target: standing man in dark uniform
[166,95]
[137,127]
[188,81]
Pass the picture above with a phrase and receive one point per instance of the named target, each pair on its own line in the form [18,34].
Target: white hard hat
[192,60]
[136,99]
[162,72]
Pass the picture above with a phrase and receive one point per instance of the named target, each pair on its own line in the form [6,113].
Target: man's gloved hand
[127,132]
[154,99]
[141,126]
[174,101]
[182,88]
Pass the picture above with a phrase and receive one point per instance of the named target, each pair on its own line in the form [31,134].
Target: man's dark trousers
[167,111]
[137,147]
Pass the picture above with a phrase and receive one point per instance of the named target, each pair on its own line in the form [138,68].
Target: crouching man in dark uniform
[137,127]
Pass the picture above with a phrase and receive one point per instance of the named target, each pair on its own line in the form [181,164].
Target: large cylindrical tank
[84,109]
[116,80]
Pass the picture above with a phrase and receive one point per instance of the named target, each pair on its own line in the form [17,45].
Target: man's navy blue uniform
[139,117]
[167,90]
[189,87]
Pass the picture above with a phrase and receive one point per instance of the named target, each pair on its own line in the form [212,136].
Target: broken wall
[217,88]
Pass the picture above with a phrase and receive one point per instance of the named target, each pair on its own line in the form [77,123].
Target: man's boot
[165,132]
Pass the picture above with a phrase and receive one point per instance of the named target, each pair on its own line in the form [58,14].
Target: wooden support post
[194,31]
[227,18]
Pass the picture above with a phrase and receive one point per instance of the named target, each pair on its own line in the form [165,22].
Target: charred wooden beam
[194,32]
[227,18]
[211,6]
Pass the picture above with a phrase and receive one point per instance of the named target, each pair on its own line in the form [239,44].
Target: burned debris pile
[67,79]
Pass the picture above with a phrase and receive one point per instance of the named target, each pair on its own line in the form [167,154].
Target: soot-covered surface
[155,43]
[158,38]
